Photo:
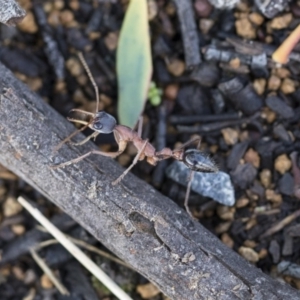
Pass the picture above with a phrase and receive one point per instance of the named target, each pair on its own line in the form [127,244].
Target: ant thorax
[103,122]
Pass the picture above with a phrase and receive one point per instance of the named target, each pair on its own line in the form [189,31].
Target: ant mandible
[102,122]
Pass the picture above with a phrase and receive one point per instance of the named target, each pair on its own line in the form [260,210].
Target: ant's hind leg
[93,135]
[136,159]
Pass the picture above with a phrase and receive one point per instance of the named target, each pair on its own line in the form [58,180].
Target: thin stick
[187,194]
[75,251]
[87,247]
[49,272]
[88,71]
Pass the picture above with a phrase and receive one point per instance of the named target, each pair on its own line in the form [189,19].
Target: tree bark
[144,228]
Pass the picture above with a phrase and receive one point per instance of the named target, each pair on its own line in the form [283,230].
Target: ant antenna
[88,71]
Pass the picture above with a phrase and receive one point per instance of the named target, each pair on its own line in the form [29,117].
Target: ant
[102,122]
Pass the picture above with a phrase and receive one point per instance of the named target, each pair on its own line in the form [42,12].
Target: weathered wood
[10,12]
[142,227]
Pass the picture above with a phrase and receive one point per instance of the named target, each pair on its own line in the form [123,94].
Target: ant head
[199,162]
[103,122]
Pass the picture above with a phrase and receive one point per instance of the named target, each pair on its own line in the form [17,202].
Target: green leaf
[134,63]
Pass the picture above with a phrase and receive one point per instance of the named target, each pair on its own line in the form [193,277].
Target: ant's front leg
[93,135]
[122,146]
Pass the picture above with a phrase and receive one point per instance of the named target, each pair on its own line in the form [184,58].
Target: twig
[281,55]
[49,272]
[287,220]
[75,251]
[10,12]
[189,33]
[87,247]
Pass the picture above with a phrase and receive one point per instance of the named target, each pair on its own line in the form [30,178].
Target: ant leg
[187,194]
[67,139]
[136,159]
[93,135]
[190,142]
[140,126]
[122,146]
[188,189]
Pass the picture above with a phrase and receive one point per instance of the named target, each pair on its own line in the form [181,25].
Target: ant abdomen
[199,162]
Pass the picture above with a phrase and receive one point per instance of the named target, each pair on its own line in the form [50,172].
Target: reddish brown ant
[102,122]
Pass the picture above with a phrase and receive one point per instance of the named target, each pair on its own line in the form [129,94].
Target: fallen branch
[10,12]
[142,227]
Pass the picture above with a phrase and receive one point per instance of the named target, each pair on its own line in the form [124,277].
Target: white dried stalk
[10,12]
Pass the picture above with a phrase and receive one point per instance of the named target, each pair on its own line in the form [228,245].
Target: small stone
[171,91]
[176,67]
[28,24]
[263,253]
[249,254]
[227,240]
[223,227]
[111,40]
[274,250]
[252,156]
[152,9]
[282,73]
[18,272]
[34,83]
[18,229]
[235,63]
[273,197]
[66,17]
[286,184]
[281,22]
[214,185]
[226,213]
[59,4]
[147,290]
[242,202]
[244,175]
[74,66]
[249,244]
[230,136]
[11,207]
[265,177]
[282,163]
[74,4]
[205,25]
[288,86]
[46,283]
[203,8]
[256,18]
[268,114]
[260,85]
[280,107]
[274,83]
[245,29]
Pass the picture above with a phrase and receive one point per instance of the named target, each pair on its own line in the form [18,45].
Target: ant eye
[97,125]
[199,162]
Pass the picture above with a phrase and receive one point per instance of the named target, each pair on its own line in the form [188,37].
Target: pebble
[147,290]
[171,91]
[286,184]
[230,136]
[280,107]
[18,229]
[281,22]
[273,197]
[274,83]
[205,25]
[256,18]
[288,86]
[46,283]
[227,240]
[252,156]
[28,24]
[226,213]
[217,186]
[11,207]
[282,163]
[111,40]
[259,85]
[249,254]
[265,177]
[244,175]
[245,29]
[203,8]
[176,67]
[242,202]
